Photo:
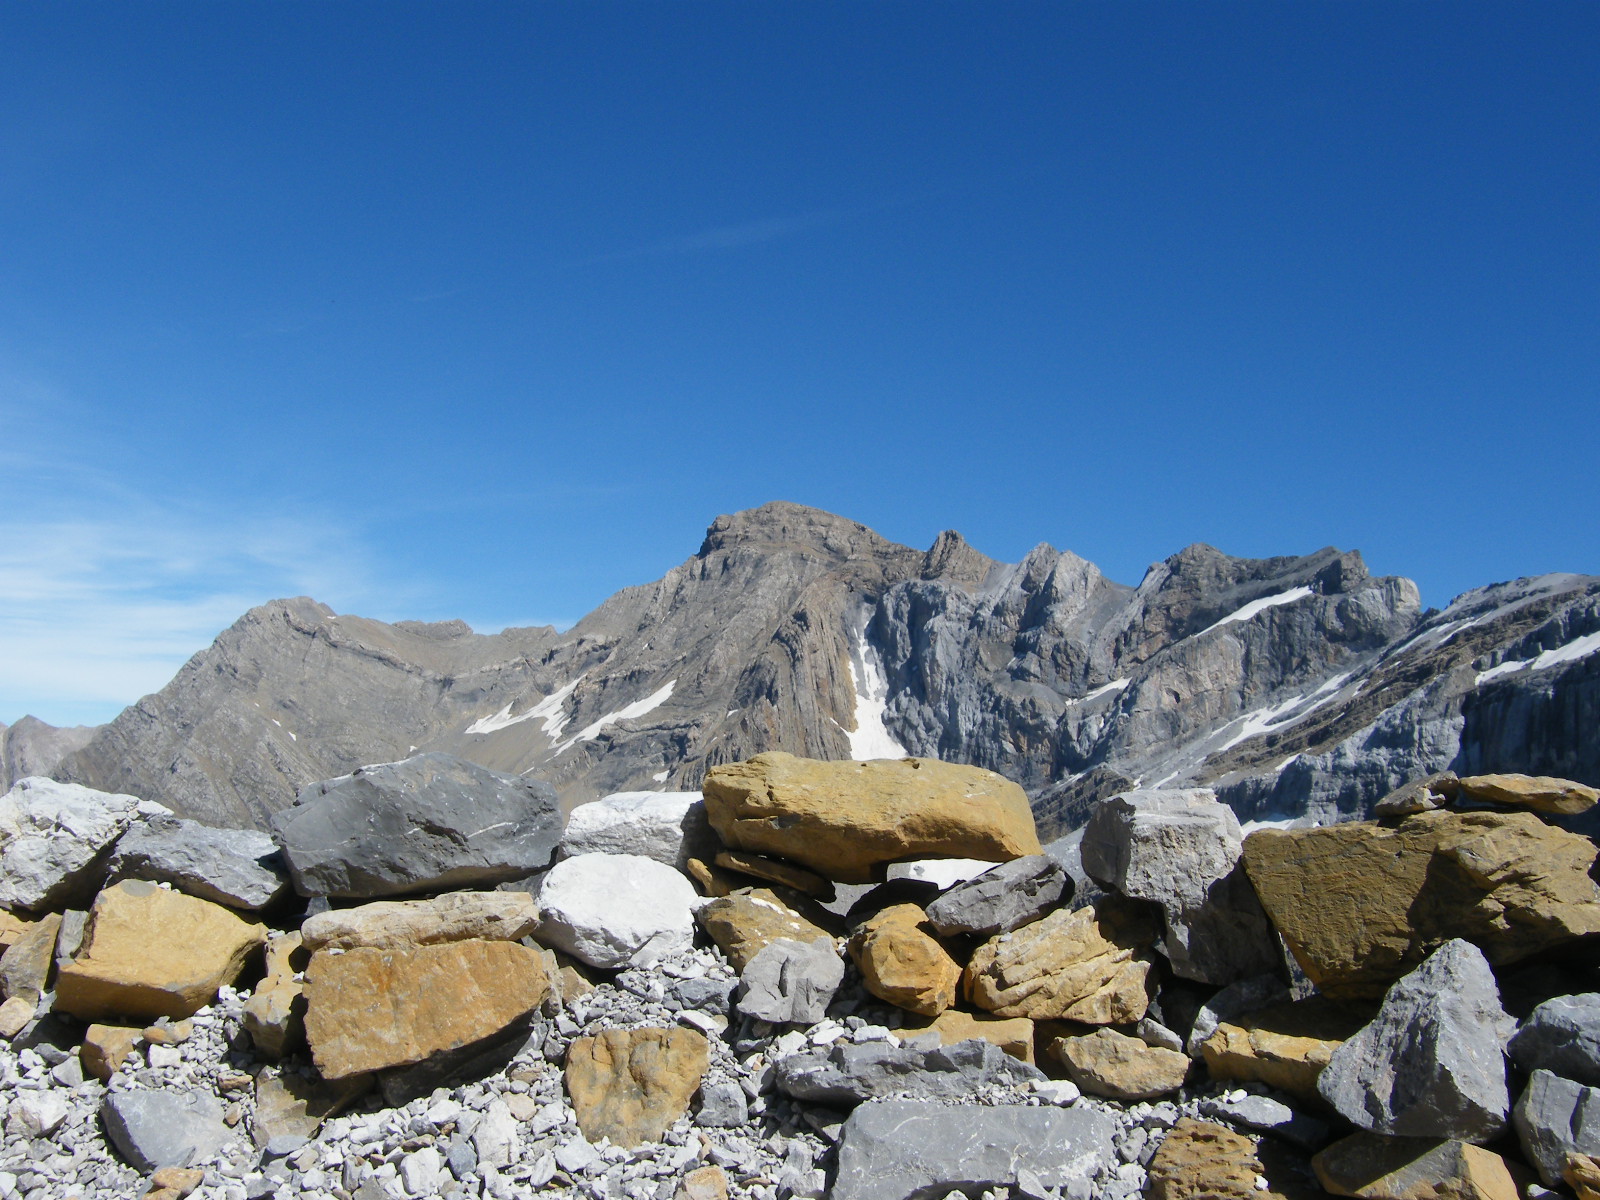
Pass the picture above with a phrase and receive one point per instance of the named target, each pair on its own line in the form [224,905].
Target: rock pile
[696,1000]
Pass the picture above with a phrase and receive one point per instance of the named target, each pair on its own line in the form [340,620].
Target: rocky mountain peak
[950,558]
[782,524]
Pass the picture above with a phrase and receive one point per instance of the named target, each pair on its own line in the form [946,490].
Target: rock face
[845,819]
[899,1149]
[1555,1117]
[368,1010]
[151,953]
[629,1086]
[1389,1168]
[1562,1035]
[236,867]
[1432,1063]
[54,838]
[398,924]
[670,827]
[902,964]
[1112,1064]
[428,823]
[851,1074]
[31,747]
[1360,904]
[613,909]
[1003,898]
[1088,965]
[1180,849]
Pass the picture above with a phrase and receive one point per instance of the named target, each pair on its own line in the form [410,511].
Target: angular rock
[1243,996]
[1285,1046]
[1003,898]
[1201,1159]
[369,1010]
[631,1085]
[1420,795]
[292,1107]
[844,820]
[1540,793]
[791,981]
[152,953]
[900,1149]
[155,1129]
[1180,850]
[1360,903]
[670,827]
[1401,1168]
[1562,1035]
[722,1106]
[239,868]
[54,839]
[429,823]
[15,1015]
[396,924]
[1432,1062]
[36,1114]
[1555,1117]
[902,964]
[106,1048]
[1269,1116]
[274,1016]
[1088,965]
[775,870]
[849,1074]
[1582,1172]
[12,928]
[743,923]
[1014,1035]
[613,910]
[25,967]
[704,1183]
[1119,1067]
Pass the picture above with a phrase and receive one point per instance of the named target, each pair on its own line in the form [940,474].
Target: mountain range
[1295,686]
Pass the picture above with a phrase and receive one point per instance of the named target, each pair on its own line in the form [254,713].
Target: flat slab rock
[847,1075]
[428,823]
[53,838]
[900,1149]
[631,1085]
[398,924]
[155,1129]
[1002,898]
[844,820]
[240,868]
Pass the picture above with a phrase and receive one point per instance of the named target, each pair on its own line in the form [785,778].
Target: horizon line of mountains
[1296,687]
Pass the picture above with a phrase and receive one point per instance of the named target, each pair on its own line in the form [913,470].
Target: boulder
[1002,898]
[1285,1046]
[1087,965]
[902,964]
[155,1129]
[900,1149]
[670,827]
[1562,1035]
[845,820]
[1555,1117]
[1432,1062]
[791,981]
[1014,1035]
[1420,795]
[614,910]
[1540,793]
[1360,904]
[370,1010]
[106,1048]
[274,1016]
[1402,1168]
[849,1074]
[631,1085]
[239,868]
[25,967]
[1119,1067]
[54,839]
[1180,849]
[743,923]
[397,924]
[429,823]
[150,953]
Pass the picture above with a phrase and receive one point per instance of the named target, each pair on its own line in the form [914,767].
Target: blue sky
[486,310]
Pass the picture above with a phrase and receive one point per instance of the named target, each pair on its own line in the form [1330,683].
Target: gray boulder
[55,838]
[899,1149]
[790,981]
[1432,1062]
[427,823]
[1562,1035]
[1553,1117]
[155,1129]
[240,868]
[722,1106]
[1002,898]
[847,1075]
[1181,849]
[670,827]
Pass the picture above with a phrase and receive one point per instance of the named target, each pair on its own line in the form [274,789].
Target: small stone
[1198,1159]
[154,1129]
[704,1183]
[25,967]
[274,1016]
[1119,1067]
[775,870]
[177,1182]
[722,1106]
[744,922]
[36,1114]
[1014,1035]
[15,1014]
[106,1048]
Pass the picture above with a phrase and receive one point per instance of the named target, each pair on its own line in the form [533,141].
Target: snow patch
[1574,650]
[661,776]
[626,713]
[1257,606]
[1282,715]
[871,737]
[549,709]
[1105,689]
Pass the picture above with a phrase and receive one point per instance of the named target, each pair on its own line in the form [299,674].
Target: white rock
[670,827]
[36,1114]
[495,1135]
[614,910]
[421,1171]
[50,836]
[576,1156]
